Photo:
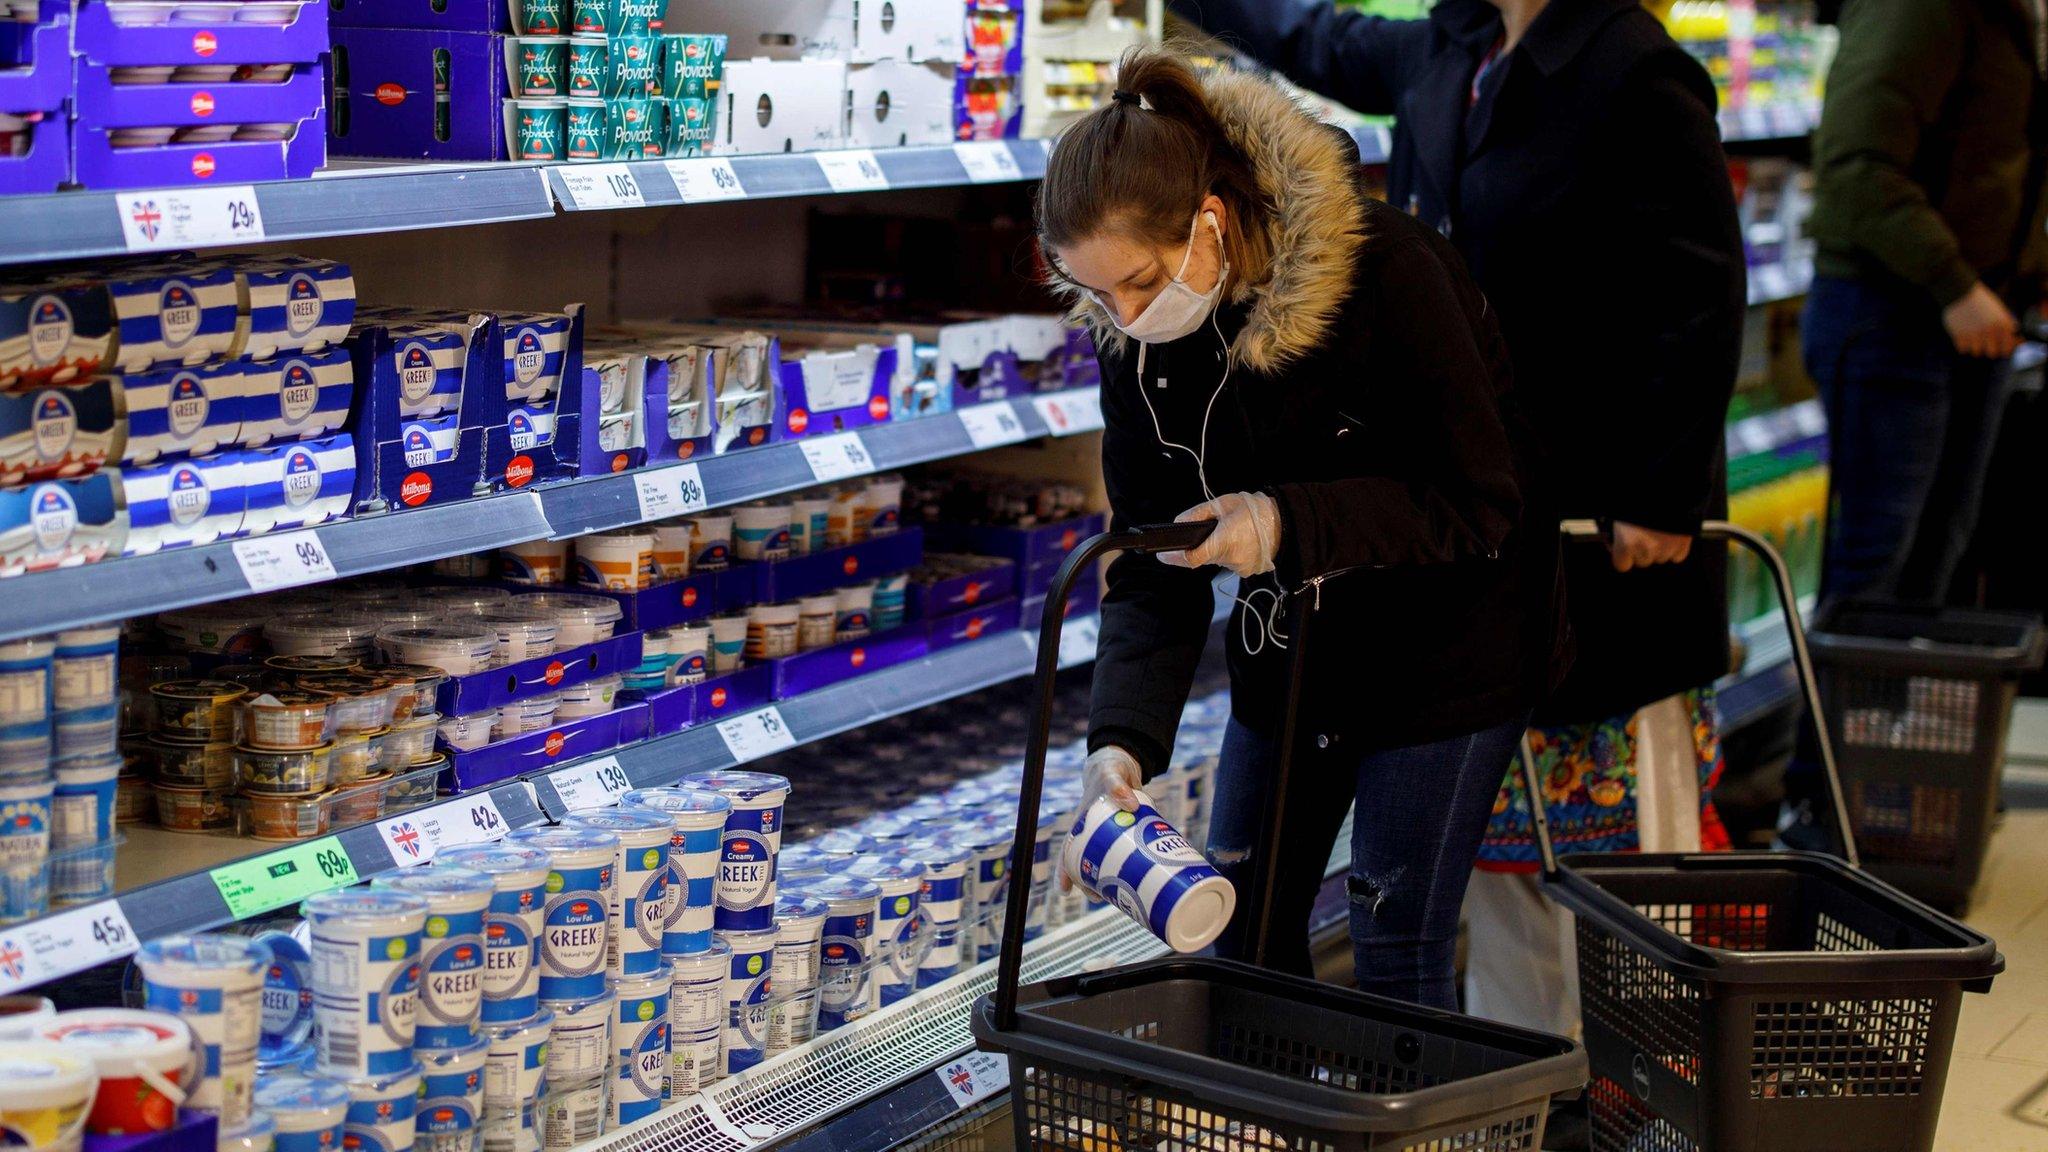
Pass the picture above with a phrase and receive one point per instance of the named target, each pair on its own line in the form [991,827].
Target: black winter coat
[1589,195]
[1368,392]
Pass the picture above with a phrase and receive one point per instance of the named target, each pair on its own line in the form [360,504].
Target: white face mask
[1178,309]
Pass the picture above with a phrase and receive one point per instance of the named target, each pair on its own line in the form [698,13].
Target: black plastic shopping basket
[1761,1001]
[1194,1055]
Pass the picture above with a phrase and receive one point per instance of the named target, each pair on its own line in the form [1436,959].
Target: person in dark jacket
[1568,148]
[1317,373]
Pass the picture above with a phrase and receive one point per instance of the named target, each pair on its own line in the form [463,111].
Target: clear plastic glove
[1246,539]
[1109,772]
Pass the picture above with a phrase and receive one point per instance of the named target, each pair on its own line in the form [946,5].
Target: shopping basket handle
[1601,531]
[1177,537]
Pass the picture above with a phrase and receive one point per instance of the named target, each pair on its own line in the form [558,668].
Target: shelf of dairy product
[1795,425]
[703,179]
[1776,120]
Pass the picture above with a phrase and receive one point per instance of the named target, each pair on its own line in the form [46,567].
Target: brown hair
[1139,171]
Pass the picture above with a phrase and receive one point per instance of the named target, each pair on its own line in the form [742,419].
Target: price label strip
[974,1077]
[991,425]
[418,837]
[987,161]
[705,180]
[593,785]
[286,560]
[190,217]
[1071,414]
[671,491]
[60,945]
[601,186]
[756,734]
[286,876]
[838,456]
[853,171]
[1077,641]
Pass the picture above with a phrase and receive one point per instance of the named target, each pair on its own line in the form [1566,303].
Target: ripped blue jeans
[1422,812]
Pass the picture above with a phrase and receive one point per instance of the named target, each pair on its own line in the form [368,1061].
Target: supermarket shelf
[582,187]
[112,589]
[1800,425]
[1785,120]
[1766,682]
[1775,283]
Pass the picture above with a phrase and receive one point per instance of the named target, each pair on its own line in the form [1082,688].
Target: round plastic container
[517,1066]
[891,601]
[21,1016]
[772,631]
[856,611]
[25,671]
[728,642]
[808,520]
[193,765]
[457,647]
[817,624]
[323,634]
[362,702]
[753,834]
[25,846]
[617,561]
[578,909]
[696,1015]
[512,924]
[197,711]
[462,600]
[360,801]
[470,732]
[689,654]
[847,952]
[593,697]
[524,630]
[283,773]
[799,941]
[85,669]
[311,665]
[451,952]
[710,543]
[898,939]
[573,1114]
[216,627]
[256,1133]
[539,562]
[409,744]
[215,984]
[381,1110]
[880,504]
[45,1092]
[698,817]
[451,1104]
[988,882]
[354,756]
[580,617]
[366,1024]
[842,519]
[188,810]
[942,903]
[579,1047]
[672,550]
[748,985]
[511,1129]
[287,721]
[143,1059]
[415,687]
[283,817]
[801,861]
[529,715]
[308,1111]
[640,1044]
[287,1020]
[760,531]
[135,800]
[82,803]
[639,896]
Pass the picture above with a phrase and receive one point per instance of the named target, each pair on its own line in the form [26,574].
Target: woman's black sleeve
[1363,62]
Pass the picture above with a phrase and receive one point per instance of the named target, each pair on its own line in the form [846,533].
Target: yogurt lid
[366,592]
[290,699]
[576,607]
[45,1076]
[496,859]
[643,984]
[92,770]
[417,673]
[936,853]
[403,1082]
[362,903]
[979,837]
[28,648]
[516,612]
[198,689]
[561,836]
[892,866]
[314,665]
[462,598]
[436,1061]
[837,890]
[206,951]
[792,907]
[86,637]
[444,632]
[798,860]
[742,943]
[697,965]
[595,688]
[291,1094]
[894,828]
[438,883]
[844,842]
[340,628]
[624,818]
[290,1060]
[409,612]
[566,1011]
[681,799]
[122,1041]
[512,1031]
[740,785]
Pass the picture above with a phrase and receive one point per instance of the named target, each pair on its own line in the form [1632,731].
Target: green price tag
[286,876]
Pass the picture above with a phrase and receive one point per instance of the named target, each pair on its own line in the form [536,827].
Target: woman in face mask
[1315,372]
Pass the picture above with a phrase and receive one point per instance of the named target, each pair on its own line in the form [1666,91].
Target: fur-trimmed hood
[1307,171]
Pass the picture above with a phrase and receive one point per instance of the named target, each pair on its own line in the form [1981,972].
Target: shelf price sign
[837,457]
[286,876]
[592,785]
[283,561]
[190,217]
[853,171]
[671,491]
[987,161]
[1070,413]
[62,944]
[1077,640]
[417,837]
[700,181]
[756,734]
[991,425]
[601,186]
[975,1077]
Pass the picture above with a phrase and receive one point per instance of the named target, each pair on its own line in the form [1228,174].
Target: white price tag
[1070,413]
[408,839]
[592,785]
[854,171]
[756,734]
[838,456]
[286,560]
[1077,640]
[1808,417]
[59,945]
[975,1077]
[990,425]
[987,161]
[601,186]
[190,217]
[699,181]
[416,837]
[671,491]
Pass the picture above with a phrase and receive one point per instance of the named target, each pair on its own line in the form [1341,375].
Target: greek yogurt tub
[749,984]
[529,715]
[451,951]
[323,634]
[256,1133]
[753,834]
[511,1129]
[512,925]
[580,617]
[516,1070]
[215,983]
[25,671]
[381,1110]
[698,816]
[449,1116]
[696,1020]
[308,1111]
[639,898]
[847,951]
[799,935]
[942,904]
[366,971]
[640,1044]
[287,1018]
[84,668]
[573,1114]
[898,933]
[579,1045]
[578,909]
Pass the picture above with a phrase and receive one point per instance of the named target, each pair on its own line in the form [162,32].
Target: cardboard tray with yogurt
[99,38]
[989,619]
[461,695]
[38,76]
[61,523]
[672,602]
[982,580]
[823,667]
[545,748]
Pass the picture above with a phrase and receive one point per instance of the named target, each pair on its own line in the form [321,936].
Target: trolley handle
[1602,532]
[1176,537]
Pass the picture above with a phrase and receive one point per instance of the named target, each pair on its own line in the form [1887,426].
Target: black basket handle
[1178,537]
[1788,601]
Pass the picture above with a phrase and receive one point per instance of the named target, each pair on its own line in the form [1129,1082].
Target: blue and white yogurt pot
[989,883]
[639,900]
[577,916]
[1143,865]
[515,1072]
[750,981]
[214,982]
[449,1117]
[696,1019]
[512,925]
[753,835]
[640,1044]
[799,941]
[364,1025]
[451,951]
[287,1001]
[308,1110]
[699,816]
[381,1110]
[579,1044]
[942,903]
[900,935]
[846,954]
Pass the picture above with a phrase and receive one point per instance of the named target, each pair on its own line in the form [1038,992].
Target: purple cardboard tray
[827,390]
[990,619]
[42,78]
[960,593]
[545,749]
[774,581]
[101,103]
[1027,546]
[195,1131]
[734,692]
[98,40]
[516,458]
[47,163]
[668,603]
[670,710]
[386,479]
[96,163]
[1085,598]
[385,76]
[810,671]
[461,695]
[438,15]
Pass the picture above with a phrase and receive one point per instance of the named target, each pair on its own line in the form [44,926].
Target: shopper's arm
[1155,618]
[1360,61]
[1442,392]
[1896,63]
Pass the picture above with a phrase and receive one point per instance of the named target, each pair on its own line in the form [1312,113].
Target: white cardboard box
[895,103]
[775,29]
[921,30]
[784,106]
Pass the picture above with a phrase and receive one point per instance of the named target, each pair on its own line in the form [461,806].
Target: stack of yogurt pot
[59,764]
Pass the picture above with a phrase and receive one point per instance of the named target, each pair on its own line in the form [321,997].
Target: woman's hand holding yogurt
[1110,773]
[1246,539]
